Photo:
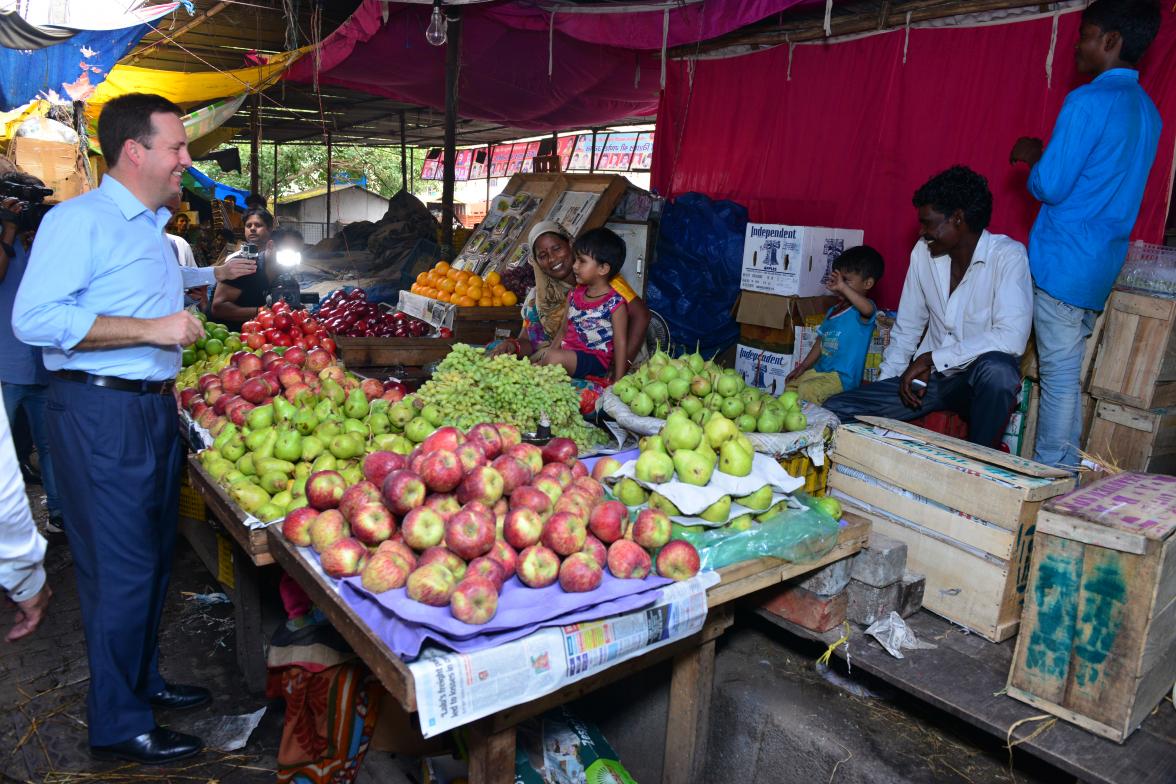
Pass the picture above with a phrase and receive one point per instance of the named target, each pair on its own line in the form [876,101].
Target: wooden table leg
[247,616]
[492,753]
[688,719]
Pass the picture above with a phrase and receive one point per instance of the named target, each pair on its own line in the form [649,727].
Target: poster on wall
[618,152]
[643,152]
[463,159]
[567,144]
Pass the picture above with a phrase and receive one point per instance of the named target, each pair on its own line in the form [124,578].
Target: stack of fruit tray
[392,352]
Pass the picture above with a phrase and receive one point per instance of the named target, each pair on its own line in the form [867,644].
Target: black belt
[121,384]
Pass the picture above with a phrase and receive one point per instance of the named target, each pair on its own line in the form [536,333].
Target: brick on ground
[808,609]
[831,580]
[910,593]
[867,603]
[881,563]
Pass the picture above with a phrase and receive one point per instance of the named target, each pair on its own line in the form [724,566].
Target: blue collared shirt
[100,254]
[19,364]
[1090,182]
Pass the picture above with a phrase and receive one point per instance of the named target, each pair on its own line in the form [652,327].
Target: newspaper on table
[453,689]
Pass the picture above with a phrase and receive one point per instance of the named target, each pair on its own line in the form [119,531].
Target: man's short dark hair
[862,260]
[265,216]
[1136,21]
[129,117]
[287,236]
[230,197]
[605,246]
[958,188]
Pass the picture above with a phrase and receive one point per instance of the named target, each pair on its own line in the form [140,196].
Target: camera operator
[23,378]
[287,253]
[235,303]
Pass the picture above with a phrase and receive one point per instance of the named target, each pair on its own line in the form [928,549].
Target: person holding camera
[23,378]
[234,304]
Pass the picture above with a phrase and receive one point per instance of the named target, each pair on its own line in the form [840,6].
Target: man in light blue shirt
[103,297]
[1090,181]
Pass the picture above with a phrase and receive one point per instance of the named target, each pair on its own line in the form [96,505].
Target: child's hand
[796,371]
[836,283]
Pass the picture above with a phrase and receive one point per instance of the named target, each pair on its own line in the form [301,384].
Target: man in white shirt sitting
[963,320]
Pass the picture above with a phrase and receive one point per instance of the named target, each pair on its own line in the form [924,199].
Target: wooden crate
[966,513]
[392,352]
[1136,363]
[1098,641]
[1134,440]
[479,326]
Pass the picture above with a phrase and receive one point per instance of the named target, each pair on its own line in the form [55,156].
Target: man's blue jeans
[32,398]
[1061,330]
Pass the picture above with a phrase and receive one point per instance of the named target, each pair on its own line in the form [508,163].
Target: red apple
[560,450]
[580,573]
[538,567]
[678,560]
[482,484]
[509,434]
[605,467]
[528,497]
[651,530]
[442,555]
[397,548]
[269,358]
[372,523]
[443,438]
[296,526]
[255,390]
[324,489]
[469,533]
[372,388]
[317,359]
[589,485]
[607,521]
[548,487]
[506,556]
[559,472]
[326,529]
[384,573]
[422,528]
[529,454]
[295,355]
[474,600]
[403,491]
[514,473]
[627,560]
[356,496]
[564,533]
[471,456]
[377,466]
[578,506]
[522,527]
[491,440]
[232,378]
[596,549]
[430,584]
[250,365]
[488,568]
[441,470]
[344,558]
[444,504]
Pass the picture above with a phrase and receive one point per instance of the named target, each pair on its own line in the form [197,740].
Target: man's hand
[236,268]
[178,329]
[1027,150]
[29,614]
[794,373]
[10,210]
[920,368]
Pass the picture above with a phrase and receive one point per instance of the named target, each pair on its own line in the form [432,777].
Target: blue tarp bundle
[217,189]
[695,281]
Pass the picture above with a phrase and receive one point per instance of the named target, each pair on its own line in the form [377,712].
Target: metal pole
[330,150]
[555,147]
[254,142]
[592,155]
[275,188]
[489,149]
[452,64]
[403,154]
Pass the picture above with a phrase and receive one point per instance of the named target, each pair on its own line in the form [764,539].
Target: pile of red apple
[351,315]
[462,514]
[251,380]
[283,326]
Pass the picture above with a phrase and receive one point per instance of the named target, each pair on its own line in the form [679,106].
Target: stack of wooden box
[1097,638]
[1134,385]
[966,513]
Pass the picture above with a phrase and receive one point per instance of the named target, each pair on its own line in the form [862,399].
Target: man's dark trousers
[120,461]
[983,394]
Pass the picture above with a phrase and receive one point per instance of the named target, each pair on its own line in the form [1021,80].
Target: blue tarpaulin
[217,189]
[68,69]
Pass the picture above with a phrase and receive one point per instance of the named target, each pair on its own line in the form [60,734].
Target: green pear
[770,422]
[378,422]
[419,429]
[333,392]
[353,474]
[233,477]
[249,496]
[652,444]
[223,437]
[681,433]
[324,409]
[324,462]
[358,427]
[700,417]
[741,523]
[288,446]
[356,406]
[795,421]
[298,485]
[274,482]
[282,499]
[659,501]
[302,469]
[704,449]
[312,447]
[691,405]
[745,422]
[630,493]
[729,384]
[667,374]
[217,467]
[328,429]
[642,405]
[233,449]
[759,500]
[774,510]
[734,459]
[693,468]
[245,465]
[718,430]
[678,388]
[655,467]
[267,446]
[402,413]
[305,421]
[269,511]
[753,407]
[255,439]
[789,399]
[657,392]
[260,417]
[297,502]
[718,511]
[379,406]
[661,410]
[266,465]
[745,443]
[284,410]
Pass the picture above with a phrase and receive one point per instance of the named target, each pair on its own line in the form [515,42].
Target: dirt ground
[759,679]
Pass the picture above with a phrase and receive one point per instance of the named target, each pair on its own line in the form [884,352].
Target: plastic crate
[191,503]
[1149,269]
[816,478]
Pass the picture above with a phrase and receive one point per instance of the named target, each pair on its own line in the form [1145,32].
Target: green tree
[302,167]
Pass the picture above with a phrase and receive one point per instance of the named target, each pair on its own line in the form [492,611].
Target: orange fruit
[497,302]
[465,302]
[485,302]
[459,288]
[498,289]
[442,266]
[453,274]
[422,277]
[447,285]
[493,278]
[509,298]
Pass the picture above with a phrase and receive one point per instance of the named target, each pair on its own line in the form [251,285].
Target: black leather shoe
[157,747]
[180,697]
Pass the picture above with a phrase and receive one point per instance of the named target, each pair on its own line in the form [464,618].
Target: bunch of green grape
[470,386]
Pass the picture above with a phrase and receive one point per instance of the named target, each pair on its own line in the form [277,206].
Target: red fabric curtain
[847,141]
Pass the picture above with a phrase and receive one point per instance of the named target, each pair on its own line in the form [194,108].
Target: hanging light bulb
[435,35]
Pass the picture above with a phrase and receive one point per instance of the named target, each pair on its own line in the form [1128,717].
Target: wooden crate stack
[1134,385]
[966,514]
[1098,636]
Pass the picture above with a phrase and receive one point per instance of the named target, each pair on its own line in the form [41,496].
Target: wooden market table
[965,675]
[235,554]
[492,739]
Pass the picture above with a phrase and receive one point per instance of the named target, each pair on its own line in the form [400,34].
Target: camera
[26,193]
[249,251]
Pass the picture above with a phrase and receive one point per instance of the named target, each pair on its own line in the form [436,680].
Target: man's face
[942,233]
[256,231]
[181,223]
[1092,50]
[162,164]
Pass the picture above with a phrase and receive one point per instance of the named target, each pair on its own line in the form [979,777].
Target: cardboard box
[768,321]
[763,368]
[792,260]
[55,163]
[1098,643]
[966,513]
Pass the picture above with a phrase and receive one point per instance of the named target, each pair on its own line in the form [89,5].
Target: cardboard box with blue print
[792,260]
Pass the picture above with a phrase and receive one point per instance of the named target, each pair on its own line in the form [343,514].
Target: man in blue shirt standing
[103,297]
[1090,181]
